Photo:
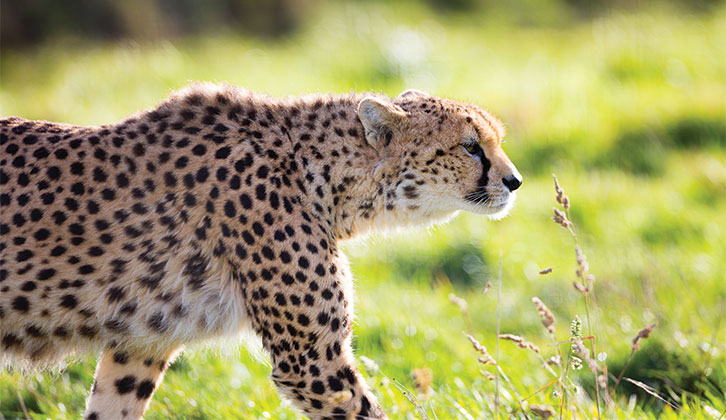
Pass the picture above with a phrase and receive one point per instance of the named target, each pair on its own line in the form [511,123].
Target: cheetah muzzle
[219,211]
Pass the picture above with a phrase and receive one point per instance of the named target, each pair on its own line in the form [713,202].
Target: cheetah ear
[379,118]
[410,93]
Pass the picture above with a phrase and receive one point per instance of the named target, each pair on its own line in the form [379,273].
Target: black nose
[512,181]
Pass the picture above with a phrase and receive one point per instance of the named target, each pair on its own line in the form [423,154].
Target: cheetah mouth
[495,206]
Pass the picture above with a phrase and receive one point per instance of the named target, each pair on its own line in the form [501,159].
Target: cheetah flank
[219,211]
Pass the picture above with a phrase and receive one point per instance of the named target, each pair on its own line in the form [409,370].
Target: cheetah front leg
[124,384]
[323,381]
[305,323]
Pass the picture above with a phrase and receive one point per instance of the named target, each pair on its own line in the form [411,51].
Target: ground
[581,104]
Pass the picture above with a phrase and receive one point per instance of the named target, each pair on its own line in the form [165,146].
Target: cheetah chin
[221,212]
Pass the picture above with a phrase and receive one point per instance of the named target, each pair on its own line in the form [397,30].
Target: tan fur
[218,212]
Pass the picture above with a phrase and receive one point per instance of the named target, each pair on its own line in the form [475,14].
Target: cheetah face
[449,153]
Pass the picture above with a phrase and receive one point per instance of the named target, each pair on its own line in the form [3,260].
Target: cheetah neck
[342,174]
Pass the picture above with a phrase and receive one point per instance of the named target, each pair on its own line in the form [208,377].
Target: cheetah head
[441,155]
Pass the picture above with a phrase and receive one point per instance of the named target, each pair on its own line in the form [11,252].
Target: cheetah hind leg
[124,384]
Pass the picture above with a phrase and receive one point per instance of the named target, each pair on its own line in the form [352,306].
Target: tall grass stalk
[586,279]
[496,351]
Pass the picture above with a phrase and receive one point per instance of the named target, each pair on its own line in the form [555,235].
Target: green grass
[628,109]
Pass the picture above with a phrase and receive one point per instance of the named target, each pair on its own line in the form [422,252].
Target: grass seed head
[521,342]
[487,375]
[370,366]
[423,378]
[547,317]
[554,361]
[561,197]
[541,411]
[580,349]
[460,302]
[642,334]
[576,327]
[486,358]
[580,287]
[581,261]
[561,218]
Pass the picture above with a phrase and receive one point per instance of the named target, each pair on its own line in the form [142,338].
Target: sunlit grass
[603,103]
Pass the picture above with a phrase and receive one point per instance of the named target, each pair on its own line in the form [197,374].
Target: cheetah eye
[472,148]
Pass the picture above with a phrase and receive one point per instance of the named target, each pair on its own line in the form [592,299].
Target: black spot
[223,152]
[86,269]
[108,194]
[246,201]
[169,179]
[320,270]
[261,192]
[28,286]
[156,322]
[21,304]
[77,168]
[287,279]
[19,162]
[262,172]
[199,149]
[121,357]
[99,175]
[146,388]
[125,384]
[45,274]
[335,384]
[235,182]
[24,255]
[115,294]
[240,251]
[69,301]
[318,387]
[229,209]
[122,181]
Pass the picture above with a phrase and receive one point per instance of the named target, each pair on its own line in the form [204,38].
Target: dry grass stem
[520,341]
[585,285]
[499,301]
[635,346]
[412,399]
[655,394]
[22,405]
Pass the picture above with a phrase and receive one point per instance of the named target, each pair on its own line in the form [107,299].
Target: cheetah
[218,212]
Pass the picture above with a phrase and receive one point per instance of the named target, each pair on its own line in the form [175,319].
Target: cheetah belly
[166,297]
[196,300]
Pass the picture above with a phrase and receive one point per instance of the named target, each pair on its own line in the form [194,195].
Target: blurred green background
[624,100]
